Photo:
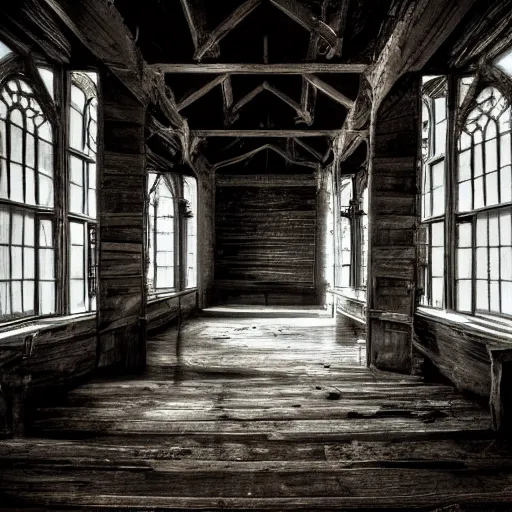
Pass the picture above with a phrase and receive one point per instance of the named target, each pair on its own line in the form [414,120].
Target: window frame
[462,100]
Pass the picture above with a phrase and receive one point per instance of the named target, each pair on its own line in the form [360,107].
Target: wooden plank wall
[265,239]
[122,294]
[160,313]
[393,218]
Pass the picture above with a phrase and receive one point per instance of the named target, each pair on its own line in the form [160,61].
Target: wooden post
[322,210]
[392,227]
[121,261]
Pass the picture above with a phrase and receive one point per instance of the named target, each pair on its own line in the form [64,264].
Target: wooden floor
[266,409]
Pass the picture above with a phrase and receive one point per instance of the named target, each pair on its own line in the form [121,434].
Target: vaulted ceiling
[262,81]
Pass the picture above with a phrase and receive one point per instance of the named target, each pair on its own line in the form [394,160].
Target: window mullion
[450,193]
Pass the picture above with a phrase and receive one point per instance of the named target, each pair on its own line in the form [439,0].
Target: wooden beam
[244,101]
[293,104]
[308,148]
[265,133]
[425,25]
[227,98]
[330,91]
[271,147]
[261,69]
[237,16]
[201,92]
[309,21]
[196,20]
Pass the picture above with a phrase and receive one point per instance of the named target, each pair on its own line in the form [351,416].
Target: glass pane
[28,263]
[464,235]
[17,228]
[30,186]
[504,62]
[464,263]
[45,131]
[76,168]
[492,188]
[494,263]
[29,230]
[5,262]
[479,193]
[4,50]
[438,234]
[164,277]
[17,306]
[505,150]
[427,212]
[76,199]
[77,97]
[16,183]
[478,163]
[17,262]
[506,263]
[441,138]
[481,230]
[491,156]
[16,144]
[465,166]
[5,299]
[30,150]
[506,228]
[465,197]
[5,223]
[437,292]
[438,201]
[45,191]
[506,298]
[46,264]
[28,296]
[3,179]
[76,233]
[77,262]
[494,230]
[464,294]
[481,263]
[506,184]
[92,203]
[77,296]
[76,133]
[482,295]
[165,259]
[45,233]
[495,296]
[437,261]
[45,158]
[46,298]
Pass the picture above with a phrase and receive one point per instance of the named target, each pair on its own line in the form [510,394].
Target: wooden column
[121,264]
[392,189]
[322,211]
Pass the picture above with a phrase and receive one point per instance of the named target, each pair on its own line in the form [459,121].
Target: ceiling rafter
[330,91]
[236,17]
[227,98]
[304,17]
[338,23]
[201,92]
[271,147]
[308,148]
[196,21]
[261,69]
[265,86]
[266,133]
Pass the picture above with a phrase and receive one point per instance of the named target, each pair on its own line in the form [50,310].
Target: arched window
[363,261]
[344,258]
[190,195]
[433,191]
[27,249]
[82,147]
[483,215]
[161,233]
